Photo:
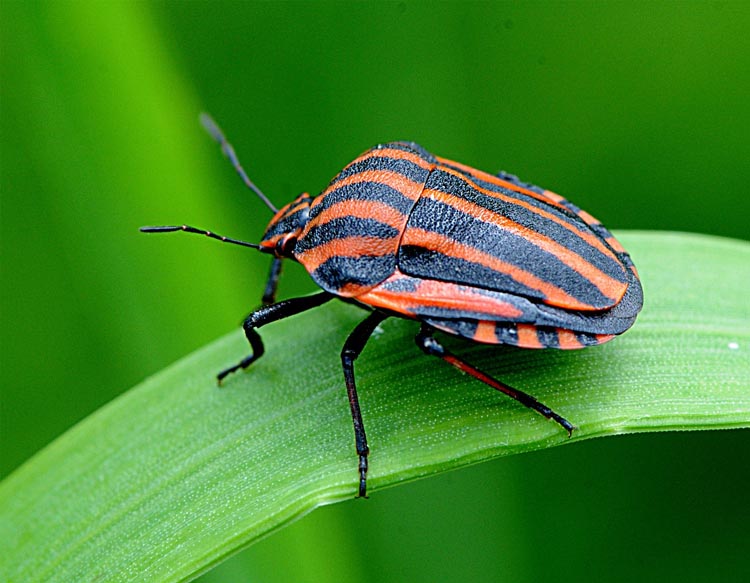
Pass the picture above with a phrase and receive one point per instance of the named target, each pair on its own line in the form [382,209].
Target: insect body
[401,232]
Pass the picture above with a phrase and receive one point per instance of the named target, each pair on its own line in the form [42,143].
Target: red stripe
[442,244]
[409,188]
[362,209]
[485,332]
[568,340]
[435,294]
[527,336]
[346,247]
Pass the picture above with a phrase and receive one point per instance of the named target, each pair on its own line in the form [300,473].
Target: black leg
[266,315]
[269,294]
[430,345]
[353,346]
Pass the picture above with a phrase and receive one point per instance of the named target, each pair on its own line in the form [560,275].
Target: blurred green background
[638,112]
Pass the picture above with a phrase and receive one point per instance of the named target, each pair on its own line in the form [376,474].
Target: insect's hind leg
[427,342]
[266,315]
[353,347]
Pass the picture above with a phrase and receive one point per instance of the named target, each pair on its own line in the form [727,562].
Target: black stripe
[378,163]
[432,215]
[548,337]
[405,285]
[365,270]
[626,259]
[375,191]
[601,231]
[341,228]
[549,206]
[513,179]
[428,311]
[452,184]
[506,333]
[421,262]
[586,339]
[288,223]
[465,328]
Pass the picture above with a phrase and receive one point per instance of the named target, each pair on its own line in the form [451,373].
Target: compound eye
[285,246]
[289,244]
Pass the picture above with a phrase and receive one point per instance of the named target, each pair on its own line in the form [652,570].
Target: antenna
[189,229]
[212,128]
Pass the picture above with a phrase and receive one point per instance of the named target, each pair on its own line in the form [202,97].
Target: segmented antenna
[212,128]
[189,229]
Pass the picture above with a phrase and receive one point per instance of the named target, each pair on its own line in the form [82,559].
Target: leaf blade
[176,474]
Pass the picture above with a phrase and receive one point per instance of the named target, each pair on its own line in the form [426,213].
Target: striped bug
[403,233]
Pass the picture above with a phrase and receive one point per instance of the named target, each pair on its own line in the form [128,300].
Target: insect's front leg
[266,315]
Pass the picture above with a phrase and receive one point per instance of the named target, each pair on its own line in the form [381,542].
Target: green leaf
[177,474]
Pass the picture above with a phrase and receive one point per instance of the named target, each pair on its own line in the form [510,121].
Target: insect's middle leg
[266,315]
[427,342]
[353,347]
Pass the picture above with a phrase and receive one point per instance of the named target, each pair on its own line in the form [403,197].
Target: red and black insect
[400,232]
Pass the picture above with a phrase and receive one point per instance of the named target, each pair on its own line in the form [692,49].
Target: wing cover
[474,229]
